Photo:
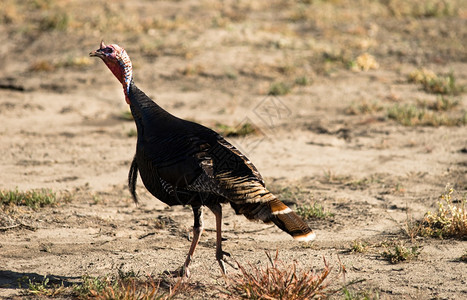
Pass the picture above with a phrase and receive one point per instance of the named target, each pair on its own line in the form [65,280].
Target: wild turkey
[185,163]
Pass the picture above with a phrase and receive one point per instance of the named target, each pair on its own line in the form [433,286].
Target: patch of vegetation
[411,115]
[128,286]
[401,253]
[363,108]
[303,81]
[42,66]
[450,220]
[279,281]
[359,247]
[443,103]
[58,20]
[312,211]
[126,115]
[132,132]
[43,287]
[412,228]
[463,257]
[423,8]
[75,62]
[31,198]
[436,84]
[193,70]
[243,129]
[364,62]
[279,89]
[369,294]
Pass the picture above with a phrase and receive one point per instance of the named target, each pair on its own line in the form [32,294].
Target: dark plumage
[184,163]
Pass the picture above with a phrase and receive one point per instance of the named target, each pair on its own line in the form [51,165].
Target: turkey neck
[144,109]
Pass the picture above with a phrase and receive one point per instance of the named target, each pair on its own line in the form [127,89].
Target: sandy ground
[61,129]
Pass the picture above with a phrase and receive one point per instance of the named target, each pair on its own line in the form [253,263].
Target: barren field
[357,109]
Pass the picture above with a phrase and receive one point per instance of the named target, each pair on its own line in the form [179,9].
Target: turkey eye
[107,50]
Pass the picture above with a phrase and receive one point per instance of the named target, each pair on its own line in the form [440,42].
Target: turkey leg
[220,254]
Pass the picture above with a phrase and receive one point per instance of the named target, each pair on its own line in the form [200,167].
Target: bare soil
[214,62]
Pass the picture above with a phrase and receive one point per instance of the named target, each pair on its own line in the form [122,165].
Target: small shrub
[443,104]
[279,89]
[401,253]
[364,62]
[443,85]
[359,247]
[279,281]
[450,220]
[421,76]
[436,84]
[363,108]
[303,81]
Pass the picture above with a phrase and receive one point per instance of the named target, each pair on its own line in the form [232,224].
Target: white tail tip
[306,237]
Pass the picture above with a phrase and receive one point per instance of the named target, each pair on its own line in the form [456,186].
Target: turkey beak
[98,52]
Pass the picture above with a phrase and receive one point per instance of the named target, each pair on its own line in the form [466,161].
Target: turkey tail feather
[132,177]
[278,213]
[289,221]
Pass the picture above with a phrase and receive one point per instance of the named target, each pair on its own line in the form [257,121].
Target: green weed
[279,89]
[401,253]
[43,287]
[303,81]
[312,211]
[31,198]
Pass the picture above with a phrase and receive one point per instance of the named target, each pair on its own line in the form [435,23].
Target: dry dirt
[213,62]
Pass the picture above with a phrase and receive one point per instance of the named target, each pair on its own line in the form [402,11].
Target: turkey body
[184,163]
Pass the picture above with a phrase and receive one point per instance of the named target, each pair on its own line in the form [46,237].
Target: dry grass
[451,218]
[363,108]
[128,286]
[279,281]
[411,115]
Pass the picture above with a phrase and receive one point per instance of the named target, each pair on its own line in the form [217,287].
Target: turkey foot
[183,271]
[220,256]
